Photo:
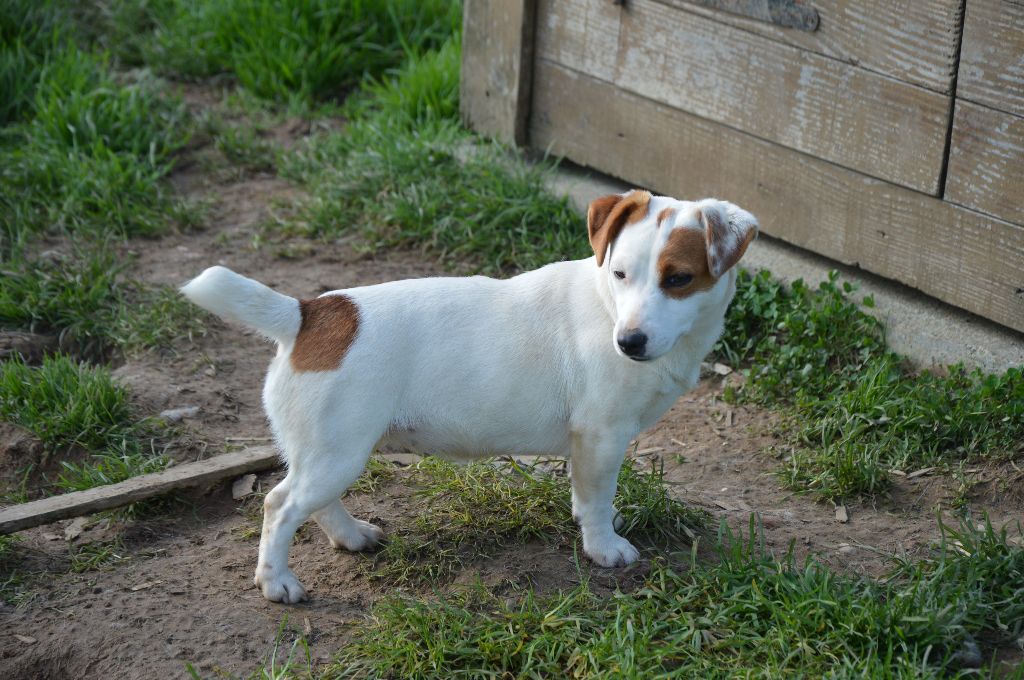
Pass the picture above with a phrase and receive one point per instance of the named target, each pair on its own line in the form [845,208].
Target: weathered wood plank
[497,53]
[986,162]
[911,40]
[957,255]
[858,119]
[46,510]
[992,55]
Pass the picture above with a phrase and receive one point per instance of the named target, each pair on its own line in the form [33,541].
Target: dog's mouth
[638,359]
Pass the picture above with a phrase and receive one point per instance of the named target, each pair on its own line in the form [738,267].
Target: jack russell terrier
[575,358]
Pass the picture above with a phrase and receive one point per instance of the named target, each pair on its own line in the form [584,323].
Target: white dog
[573,358]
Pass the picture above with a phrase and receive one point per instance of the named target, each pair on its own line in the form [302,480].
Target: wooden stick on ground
[46,510]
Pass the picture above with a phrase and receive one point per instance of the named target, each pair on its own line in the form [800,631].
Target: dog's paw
[611,550]
[365,536]
[280,586]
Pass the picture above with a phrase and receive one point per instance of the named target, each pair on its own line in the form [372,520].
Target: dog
[573,358]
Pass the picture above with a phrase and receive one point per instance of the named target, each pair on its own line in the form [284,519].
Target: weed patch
[862,411]
[748,614]
[93,556]
[473,511]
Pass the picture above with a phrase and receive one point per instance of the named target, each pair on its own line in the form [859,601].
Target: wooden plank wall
[992,55]
[986,163]
[497,57]
[909,40]
[866,121]
[958,255]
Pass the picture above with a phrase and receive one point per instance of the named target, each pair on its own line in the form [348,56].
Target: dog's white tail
[233,297]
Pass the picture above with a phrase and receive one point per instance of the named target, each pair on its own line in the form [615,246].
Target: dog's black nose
[633,343]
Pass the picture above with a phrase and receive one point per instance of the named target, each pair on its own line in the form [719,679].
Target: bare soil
[180,591]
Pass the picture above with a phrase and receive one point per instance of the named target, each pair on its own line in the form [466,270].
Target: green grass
[291,51]
[746,614]
[86,300]
[432,188]
[29,30]
[70,405]
[425,89]
[473,511]
[90,159]
[860,411]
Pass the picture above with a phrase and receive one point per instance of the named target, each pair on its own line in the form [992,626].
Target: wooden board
[986,162]
[861,120]
[963,257]
[46,510]
[992,55]
[911,40]
[497,49]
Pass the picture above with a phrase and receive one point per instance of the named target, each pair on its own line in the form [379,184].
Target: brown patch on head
[329,326]
[666,214]
[685,252]
[609,215]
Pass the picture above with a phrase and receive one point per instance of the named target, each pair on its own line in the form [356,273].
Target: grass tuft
[68,405]
[473,511]
[432,188]
[86,301]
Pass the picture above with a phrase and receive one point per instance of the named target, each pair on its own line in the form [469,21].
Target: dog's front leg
[596,459]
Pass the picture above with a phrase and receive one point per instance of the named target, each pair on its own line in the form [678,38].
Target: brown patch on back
[685,252]
[609,215]
[329,327]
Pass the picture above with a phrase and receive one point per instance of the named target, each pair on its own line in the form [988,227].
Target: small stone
[74,529]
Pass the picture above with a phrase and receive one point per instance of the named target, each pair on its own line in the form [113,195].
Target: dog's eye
[619,274]
[677,280]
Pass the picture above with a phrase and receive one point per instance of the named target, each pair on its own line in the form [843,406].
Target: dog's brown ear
[728,230]
[608,215]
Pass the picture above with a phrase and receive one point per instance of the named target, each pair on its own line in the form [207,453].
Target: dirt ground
[182,593]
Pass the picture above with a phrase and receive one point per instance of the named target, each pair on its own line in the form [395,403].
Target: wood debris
[243,486]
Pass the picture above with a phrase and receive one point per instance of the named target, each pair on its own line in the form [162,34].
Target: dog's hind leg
[346,532]
[313,486]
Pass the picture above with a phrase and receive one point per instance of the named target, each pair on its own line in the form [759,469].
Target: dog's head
[667,264]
